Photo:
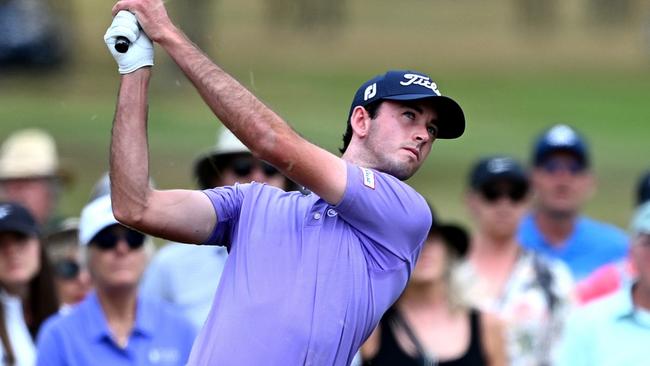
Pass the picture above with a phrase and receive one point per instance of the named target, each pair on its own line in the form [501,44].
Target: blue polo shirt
[609,331]
[590,245]
[306,282]
[82,337]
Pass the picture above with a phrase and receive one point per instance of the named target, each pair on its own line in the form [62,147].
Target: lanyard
[428,359]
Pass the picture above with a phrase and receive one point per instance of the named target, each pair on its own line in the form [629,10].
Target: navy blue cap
[492,169]
[560,138]
[16,218]
[412,85]
[643,189]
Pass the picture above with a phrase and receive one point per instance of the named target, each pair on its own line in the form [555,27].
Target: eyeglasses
[553,166]
[244,167]
[67,269]
[494,192]
[107,239]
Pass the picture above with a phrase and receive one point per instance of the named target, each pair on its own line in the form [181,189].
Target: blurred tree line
[37,34]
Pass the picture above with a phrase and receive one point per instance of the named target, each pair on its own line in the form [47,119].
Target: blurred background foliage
[516,67]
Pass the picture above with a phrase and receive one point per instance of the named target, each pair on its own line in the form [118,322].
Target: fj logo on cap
[368,178]
[370,91]
[420,80]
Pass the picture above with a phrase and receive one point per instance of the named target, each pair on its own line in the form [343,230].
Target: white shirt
[21,341]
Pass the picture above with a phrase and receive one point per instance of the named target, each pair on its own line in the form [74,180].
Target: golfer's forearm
[248,118]
[129,159]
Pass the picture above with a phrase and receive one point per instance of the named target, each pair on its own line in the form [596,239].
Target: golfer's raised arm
[179,215]
[258,127]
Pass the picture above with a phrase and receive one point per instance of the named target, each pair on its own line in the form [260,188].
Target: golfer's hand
[140,52]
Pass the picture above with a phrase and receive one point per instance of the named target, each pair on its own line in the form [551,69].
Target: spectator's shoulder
[59,322]
[173,251]
[606,308]
[169,315]
[604,230]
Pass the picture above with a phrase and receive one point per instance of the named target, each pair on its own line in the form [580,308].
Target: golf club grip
[122,44]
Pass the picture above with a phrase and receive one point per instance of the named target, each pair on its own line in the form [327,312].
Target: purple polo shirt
[306,282]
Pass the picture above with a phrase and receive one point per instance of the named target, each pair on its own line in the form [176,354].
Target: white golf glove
[140,52]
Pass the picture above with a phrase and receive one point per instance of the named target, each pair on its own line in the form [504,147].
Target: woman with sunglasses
[531,294]
[114,325]
[27,295]
[70,273]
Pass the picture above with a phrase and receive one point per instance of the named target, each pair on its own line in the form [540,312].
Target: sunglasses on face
[244,167]
[515,192]
[557,165]
[67,269]
[107,239]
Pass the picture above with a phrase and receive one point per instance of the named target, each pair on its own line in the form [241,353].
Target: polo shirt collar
[145,321]
[625,309]
[98,325]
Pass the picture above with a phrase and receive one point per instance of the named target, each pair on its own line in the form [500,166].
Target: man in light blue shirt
[562,183]
[114,325]
[616,330]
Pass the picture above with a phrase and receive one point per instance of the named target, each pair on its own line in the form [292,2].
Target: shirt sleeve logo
[368,178]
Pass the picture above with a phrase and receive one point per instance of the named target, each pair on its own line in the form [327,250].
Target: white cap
[228,143]
[29,153]
[641,220]
[96,216]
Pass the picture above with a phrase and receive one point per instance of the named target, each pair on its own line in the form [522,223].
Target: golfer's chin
[401,170]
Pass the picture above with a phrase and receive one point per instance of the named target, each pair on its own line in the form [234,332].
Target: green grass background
[511,81]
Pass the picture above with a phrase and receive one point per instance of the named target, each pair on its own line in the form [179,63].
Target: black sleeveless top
[391,354]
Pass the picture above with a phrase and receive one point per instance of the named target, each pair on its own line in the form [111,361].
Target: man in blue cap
[563,182]
[307,276]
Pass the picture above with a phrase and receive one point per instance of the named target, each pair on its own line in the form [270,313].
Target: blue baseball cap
[412,85]
[16,218]
[560,138]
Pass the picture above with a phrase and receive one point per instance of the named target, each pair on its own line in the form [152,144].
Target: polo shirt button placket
[317,215]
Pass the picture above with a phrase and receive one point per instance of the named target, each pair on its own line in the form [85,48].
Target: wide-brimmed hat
[30,153]
[208,164]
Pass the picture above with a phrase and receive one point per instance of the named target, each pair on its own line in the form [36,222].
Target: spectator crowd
[534,282]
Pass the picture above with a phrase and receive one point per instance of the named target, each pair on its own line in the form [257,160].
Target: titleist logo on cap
[420,80]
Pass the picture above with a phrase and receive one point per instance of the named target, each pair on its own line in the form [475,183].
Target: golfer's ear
[360,121]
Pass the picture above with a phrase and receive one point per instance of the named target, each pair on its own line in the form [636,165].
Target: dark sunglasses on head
[557,165]
[107,239]
[67,269]
[244,167]
[514,192]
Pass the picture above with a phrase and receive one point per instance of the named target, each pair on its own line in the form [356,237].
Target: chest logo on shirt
[164,356]
[368,178]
